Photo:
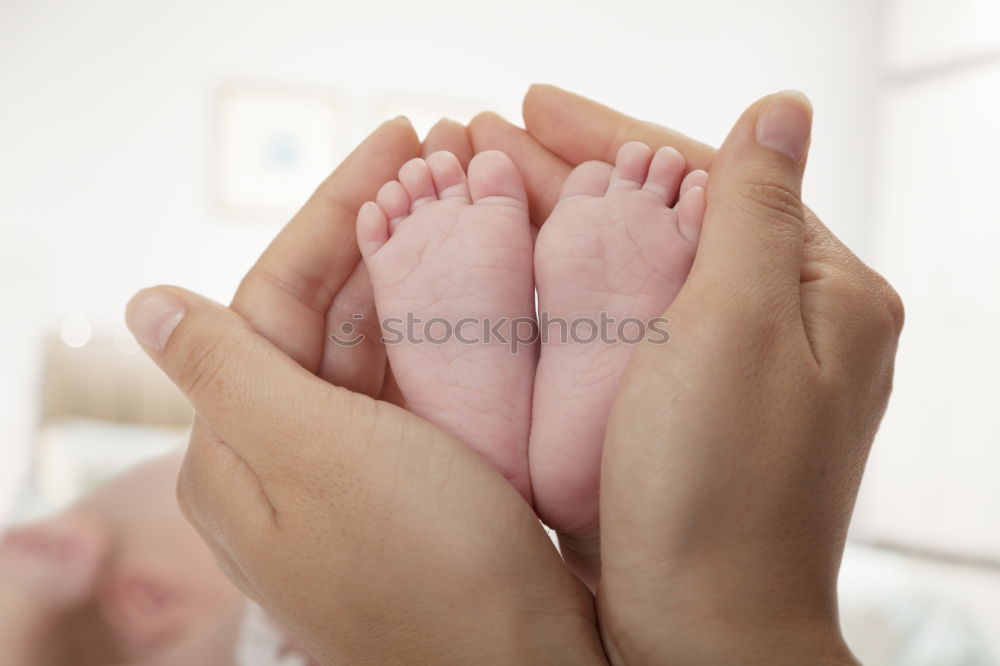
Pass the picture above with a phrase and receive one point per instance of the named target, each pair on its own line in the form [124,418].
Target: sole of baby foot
[608,262]
[450,260]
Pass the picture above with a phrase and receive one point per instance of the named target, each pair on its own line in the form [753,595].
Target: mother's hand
[735,451]
[375,536]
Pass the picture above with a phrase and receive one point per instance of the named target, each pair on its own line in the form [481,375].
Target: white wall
[105,111]
[932,478]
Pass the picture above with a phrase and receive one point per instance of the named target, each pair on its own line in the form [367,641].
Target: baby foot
[453,256]
[47,569]
[618,244]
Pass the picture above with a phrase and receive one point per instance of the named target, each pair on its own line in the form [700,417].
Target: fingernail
[152,315]
[784,124]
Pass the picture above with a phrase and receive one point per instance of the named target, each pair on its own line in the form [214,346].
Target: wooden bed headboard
[101,381]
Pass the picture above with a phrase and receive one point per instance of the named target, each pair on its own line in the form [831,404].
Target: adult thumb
[236,380]
[754,220]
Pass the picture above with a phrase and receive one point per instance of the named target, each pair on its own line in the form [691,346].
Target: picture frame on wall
[271,145]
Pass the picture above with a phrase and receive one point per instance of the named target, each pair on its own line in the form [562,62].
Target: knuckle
[894,306]
[885,307]
[774,198]
[202,369]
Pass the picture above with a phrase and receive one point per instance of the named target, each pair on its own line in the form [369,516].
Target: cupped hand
[376,537]
[734,452]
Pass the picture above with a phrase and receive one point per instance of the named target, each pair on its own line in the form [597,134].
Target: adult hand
[375,536]
[734,452]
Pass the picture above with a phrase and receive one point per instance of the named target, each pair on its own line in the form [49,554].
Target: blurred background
[147,142]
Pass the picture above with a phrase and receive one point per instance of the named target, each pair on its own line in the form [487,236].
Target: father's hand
[376,537]
[735,451]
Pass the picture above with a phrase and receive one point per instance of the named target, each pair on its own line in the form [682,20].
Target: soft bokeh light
[75,331]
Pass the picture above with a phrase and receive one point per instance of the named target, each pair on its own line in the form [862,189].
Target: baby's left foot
[455,253]
[608,262]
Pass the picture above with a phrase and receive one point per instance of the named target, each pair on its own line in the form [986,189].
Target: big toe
[588,179]
[493,175]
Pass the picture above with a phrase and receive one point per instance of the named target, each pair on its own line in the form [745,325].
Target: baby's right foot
[46,570]
[617,247]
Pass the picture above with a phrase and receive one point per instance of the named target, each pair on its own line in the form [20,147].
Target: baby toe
[631,166]
[696,178]
[665,173]
[448,176]
[394,201]
[691,213]
[415,176]
[372,229]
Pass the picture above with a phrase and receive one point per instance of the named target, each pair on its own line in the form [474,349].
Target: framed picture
[271,146]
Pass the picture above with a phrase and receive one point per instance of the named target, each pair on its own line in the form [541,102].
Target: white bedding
[74,455]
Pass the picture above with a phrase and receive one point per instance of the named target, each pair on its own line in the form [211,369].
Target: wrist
[683,626]
[725,643]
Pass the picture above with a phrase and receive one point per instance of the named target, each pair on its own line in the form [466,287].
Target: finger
[391,392]
[754,227]
[243,388]
[451,136]
[354,356]
[543,172]
[287,293]
[578,129]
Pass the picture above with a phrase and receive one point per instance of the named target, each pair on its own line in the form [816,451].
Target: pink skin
[57,561]
[46,570]
[620,242]
[120,577]
[438,244]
